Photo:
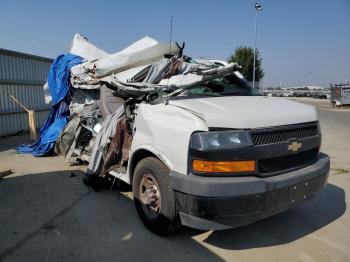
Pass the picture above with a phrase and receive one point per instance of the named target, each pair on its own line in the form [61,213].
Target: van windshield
[230,85]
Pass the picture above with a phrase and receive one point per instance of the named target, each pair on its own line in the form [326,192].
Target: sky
[302,42]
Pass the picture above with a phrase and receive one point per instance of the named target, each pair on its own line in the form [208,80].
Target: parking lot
[48,213]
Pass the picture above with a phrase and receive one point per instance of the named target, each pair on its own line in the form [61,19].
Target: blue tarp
[59,74]
[58,80]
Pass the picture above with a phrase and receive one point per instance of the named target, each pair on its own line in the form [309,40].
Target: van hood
[247,111]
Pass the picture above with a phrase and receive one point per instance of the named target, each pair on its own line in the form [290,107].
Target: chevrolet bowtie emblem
[294,146]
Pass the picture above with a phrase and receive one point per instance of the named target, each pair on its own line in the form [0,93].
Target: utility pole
[257,9]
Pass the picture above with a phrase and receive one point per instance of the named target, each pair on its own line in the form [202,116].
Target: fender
[152,151]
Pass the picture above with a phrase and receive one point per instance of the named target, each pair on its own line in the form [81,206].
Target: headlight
[220,140]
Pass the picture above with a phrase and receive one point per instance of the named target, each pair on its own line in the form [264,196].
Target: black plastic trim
[208,186]
[227,212]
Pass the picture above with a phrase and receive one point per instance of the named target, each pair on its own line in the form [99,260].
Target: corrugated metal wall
[23,76]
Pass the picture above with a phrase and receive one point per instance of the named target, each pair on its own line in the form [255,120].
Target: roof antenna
[166,102]
[171,33]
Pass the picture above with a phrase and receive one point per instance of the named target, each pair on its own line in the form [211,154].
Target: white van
[216,158]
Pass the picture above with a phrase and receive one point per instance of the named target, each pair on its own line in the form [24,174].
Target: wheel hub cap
[150,196]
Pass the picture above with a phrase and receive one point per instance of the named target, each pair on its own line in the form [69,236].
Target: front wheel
[153,197]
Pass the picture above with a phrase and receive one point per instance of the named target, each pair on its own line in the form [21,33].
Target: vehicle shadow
[286,227]
[54,216]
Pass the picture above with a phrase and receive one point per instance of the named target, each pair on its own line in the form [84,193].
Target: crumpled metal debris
[106,88]
[82,98]
[103,138]
[118,151]
[175,84]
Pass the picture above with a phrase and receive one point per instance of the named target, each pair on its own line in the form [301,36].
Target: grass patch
[339,171]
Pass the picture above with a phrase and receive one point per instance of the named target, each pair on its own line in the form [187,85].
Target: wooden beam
[5,173]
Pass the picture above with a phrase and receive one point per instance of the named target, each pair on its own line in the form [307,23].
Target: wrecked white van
[217,157]
[197,145]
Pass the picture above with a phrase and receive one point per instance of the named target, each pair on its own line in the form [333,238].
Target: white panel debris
[182,80]
[47,94]
[128,75]
[142,52]
[81,46]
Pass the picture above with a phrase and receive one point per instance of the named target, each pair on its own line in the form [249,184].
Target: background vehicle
[340,94]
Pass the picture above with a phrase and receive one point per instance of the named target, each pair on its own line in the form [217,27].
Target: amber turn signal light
[223,166]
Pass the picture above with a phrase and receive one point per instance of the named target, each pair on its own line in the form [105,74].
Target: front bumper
[214,203]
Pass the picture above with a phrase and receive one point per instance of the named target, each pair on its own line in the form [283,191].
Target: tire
[153,197]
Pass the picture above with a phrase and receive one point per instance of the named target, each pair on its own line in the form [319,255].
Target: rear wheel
[153,197]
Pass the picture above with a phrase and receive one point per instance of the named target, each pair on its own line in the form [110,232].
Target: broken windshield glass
[229,85]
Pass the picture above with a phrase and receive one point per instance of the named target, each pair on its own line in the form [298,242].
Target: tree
[244,56]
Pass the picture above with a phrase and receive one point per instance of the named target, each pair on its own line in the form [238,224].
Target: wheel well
[137,157]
